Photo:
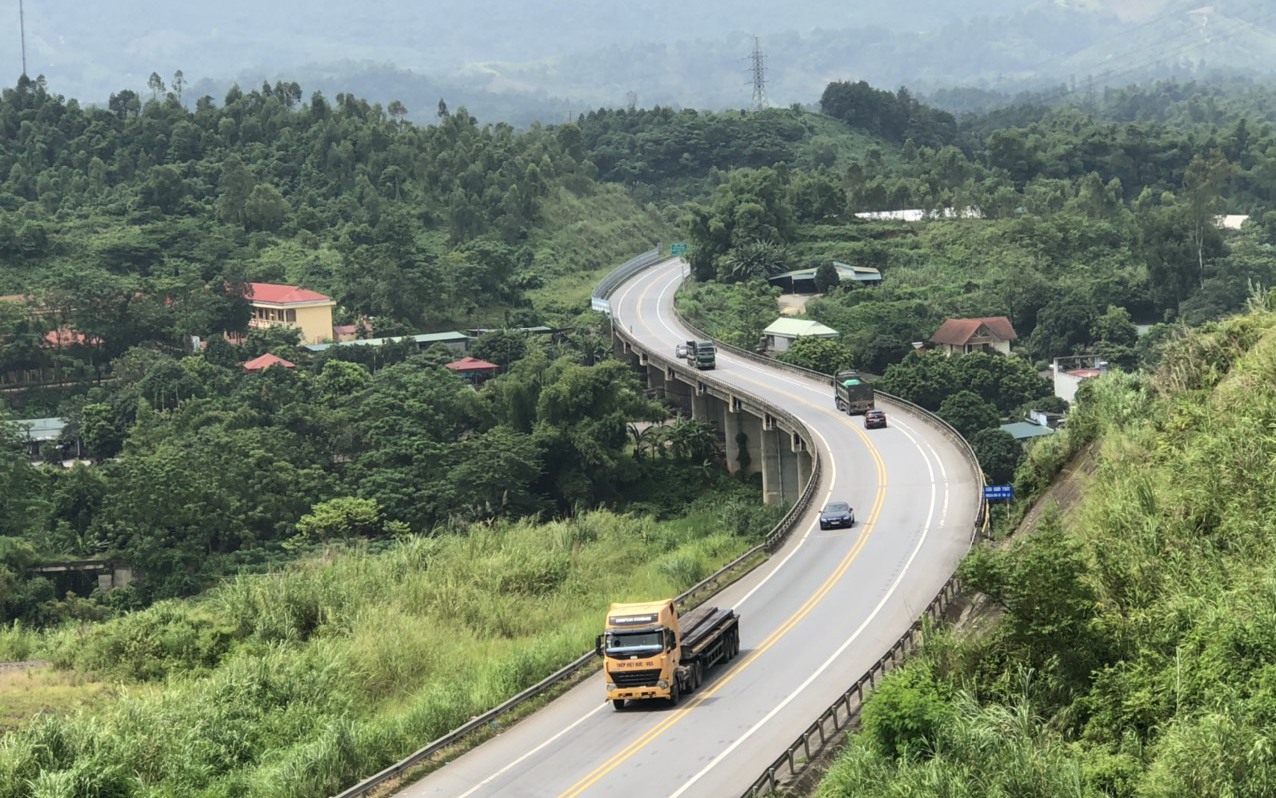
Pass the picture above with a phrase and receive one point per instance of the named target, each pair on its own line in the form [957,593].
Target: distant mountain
[519,61]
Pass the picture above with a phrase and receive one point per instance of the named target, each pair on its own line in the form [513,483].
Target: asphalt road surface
[814,618]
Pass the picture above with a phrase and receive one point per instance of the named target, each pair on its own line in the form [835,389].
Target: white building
[1070,372]
[781,333]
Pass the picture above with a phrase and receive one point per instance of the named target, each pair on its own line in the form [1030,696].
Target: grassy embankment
[1136,655]
[300,682]
[588,236]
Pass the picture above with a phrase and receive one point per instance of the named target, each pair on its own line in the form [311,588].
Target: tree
[494,474]
[753,261]
[344,520]
[924,378]
[1004,382]
[827,277]
[236,185]
[1042,582]
[691,440]
[502,347]
[339,382]
[19,482]
[968,413]
[265,208]
[101,430]
[824,355]
[156,84]
[125,104]
[881,352]
[906,715]
[1203,187]
[164,189]
[1063,325]
[998,453]
[1115,337]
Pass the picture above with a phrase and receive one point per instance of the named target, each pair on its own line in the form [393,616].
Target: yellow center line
[770,641]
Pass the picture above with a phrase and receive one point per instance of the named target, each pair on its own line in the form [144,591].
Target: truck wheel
[674,692]
[734,643]
[618,703]
[841,407]
[697,675]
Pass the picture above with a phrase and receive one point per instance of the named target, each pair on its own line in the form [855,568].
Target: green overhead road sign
[677,249]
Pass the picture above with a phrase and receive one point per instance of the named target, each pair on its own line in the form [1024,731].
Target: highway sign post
[677,249]
[999,493]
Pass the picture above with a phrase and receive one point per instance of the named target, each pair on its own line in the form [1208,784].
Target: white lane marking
[928,452]
[530,753]
[835,655]
[738,605]
[828,494]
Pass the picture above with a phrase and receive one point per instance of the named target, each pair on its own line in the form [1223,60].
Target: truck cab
[702,354]
[641,651]
[650,651]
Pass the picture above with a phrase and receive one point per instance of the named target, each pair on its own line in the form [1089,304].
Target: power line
[1169,49]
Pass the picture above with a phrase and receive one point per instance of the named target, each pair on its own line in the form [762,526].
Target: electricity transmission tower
[759,77]
[22,25]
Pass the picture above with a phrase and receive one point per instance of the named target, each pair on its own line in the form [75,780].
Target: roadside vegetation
[301,681]
[1133,656]
[342,560]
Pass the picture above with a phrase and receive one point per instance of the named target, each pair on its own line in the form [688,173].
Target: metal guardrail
[779,533]
[797,758]
[620,274]
[931,418]
[844,712]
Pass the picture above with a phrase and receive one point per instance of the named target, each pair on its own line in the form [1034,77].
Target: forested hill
[1135,656]
[417,226]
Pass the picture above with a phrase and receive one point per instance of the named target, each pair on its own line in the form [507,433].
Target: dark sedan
[874,418]
[837,514]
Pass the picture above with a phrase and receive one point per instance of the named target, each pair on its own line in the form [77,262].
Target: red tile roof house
[266,361]
[64,336]
[962,336]
[472,369]
[309,311]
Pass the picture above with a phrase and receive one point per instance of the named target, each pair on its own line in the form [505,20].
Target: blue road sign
[995,493]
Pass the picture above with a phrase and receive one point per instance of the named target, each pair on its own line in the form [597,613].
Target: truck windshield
[623,644]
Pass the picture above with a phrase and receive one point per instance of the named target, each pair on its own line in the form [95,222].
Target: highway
[813,618]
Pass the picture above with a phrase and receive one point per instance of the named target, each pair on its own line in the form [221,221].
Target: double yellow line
[775,637]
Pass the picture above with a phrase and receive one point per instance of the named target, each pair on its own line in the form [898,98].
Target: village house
[287,305]
[963,336]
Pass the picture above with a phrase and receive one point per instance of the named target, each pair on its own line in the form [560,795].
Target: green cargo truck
[700,354]
[852,393]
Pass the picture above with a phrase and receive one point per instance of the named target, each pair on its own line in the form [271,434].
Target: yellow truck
[650,651]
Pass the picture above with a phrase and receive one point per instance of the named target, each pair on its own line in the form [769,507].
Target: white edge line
[833,657]
[529,754]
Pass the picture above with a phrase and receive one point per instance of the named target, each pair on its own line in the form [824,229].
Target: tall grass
[299,683]
[17,642]
[1176,531]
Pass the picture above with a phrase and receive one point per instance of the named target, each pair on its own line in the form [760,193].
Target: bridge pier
[700,403]
[755,441]
[680,394]
[772,466]
[656,382]
[805,464]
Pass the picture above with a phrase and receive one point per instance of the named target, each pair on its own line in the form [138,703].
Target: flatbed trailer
[651,652]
